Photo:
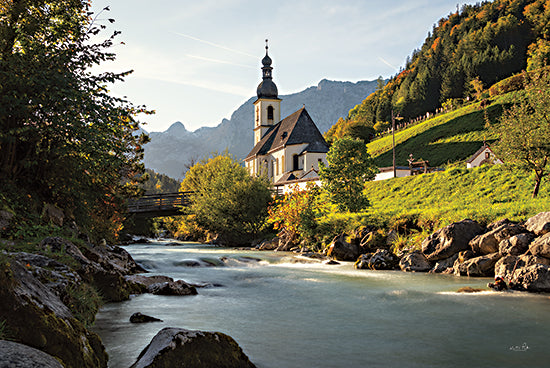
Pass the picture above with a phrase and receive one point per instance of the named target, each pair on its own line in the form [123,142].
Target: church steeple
[267,108]
[267,89]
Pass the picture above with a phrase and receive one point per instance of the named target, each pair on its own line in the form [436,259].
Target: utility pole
[393,117]
[393,145]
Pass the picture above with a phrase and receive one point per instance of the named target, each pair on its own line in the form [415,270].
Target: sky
[197,61]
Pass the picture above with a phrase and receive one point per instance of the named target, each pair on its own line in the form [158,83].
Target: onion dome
[267,89]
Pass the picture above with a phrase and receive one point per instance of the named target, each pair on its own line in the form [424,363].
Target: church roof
[297,128]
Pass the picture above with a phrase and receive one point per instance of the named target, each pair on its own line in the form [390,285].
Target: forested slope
[466,52]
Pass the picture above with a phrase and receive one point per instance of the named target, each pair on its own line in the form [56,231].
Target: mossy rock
[36,317]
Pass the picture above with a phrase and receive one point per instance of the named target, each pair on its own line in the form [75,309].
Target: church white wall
[261,121]
[290,151]
[312,160]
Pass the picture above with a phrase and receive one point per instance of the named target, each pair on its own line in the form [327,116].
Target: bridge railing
[159,202]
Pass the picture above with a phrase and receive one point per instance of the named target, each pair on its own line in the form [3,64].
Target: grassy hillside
[446,138]
[485,194]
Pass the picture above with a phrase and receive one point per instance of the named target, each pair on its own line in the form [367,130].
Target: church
[286,151]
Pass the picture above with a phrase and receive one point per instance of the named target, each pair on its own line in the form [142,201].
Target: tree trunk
[537,186]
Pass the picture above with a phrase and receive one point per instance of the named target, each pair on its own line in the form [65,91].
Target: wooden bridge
[159,205]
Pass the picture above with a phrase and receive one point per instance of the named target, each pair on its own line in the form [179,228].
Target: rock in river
[178,287]
[177,347]
[450,240]
[415,262]
[143,318]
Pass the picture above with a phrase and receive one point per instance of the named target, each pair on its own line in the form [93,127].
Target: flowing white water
[288,314]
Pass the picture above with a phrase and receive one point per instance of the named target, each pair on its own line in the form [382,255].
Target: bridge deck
[166,204]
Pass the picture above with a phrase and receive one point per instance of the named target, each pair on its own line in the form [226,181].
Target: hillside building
[484,155]
[286,151]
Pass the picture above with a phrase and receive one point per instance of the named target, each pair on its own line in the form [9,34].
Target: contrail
[216,45]
[387,63]
[219,61]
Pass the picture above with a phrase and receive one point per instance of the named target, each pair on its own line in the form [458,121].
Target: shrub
[84,302]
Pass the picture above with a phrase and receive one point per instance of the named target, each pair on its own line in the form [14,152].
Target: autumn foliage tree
[293,215]
[64,139]
[524,129]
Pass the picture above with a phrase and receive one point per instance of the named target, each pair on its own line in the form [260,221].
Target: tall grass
[484,194]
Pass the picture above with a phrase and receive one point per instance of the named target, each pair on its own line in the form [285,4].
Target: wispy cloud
[219,61]
[216,45]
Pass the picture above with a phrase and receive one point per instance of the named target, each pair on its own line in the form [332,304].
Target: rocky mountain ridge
[170,151]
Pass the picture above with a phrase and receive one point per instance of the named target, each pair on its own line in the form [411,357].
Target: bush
[84,302]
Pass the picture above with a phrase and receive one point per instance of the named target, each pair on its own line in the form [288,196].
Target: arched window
[270,113]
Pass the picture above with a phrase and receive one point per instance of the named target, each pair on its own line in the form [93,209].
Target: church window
[257,115]
[295,162]
[270,113]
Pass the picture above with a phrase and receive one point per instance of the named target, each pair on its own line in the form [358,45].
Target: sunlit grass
[484,194]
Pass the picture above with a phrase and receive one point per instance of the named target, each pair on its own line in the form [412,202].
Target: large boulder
[56,276]
[541,246]
[39,319]
[534,278]
[508,267]
[539,224]
[482,266]
[382,259]
[489,242]
[450,240]
[142,282]
[178,287]
[102,266]
[414,262]
[341,250]
[15,355]
[515,245]
[177,347]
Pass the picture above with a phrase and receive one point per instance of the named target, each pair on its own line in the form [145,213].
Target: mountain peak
[177,128]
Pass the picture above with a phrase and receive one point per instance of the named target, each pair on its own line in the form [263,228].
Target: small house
[484,155]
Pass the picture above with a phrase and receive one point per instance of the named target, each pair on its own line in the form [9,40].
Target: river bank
[287,311]
[519,252]
[60,284]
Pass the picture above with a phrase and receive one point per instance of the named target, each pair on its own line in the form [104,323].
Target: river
[285,312]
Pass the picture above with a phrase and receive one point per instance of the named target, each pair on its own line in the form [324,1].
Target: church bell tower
[267,108]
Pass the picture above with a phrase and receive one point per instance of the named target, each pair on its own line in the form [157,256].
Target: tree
[524,129]
[63,139]
[294,214]
[350,166]
[226,200]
